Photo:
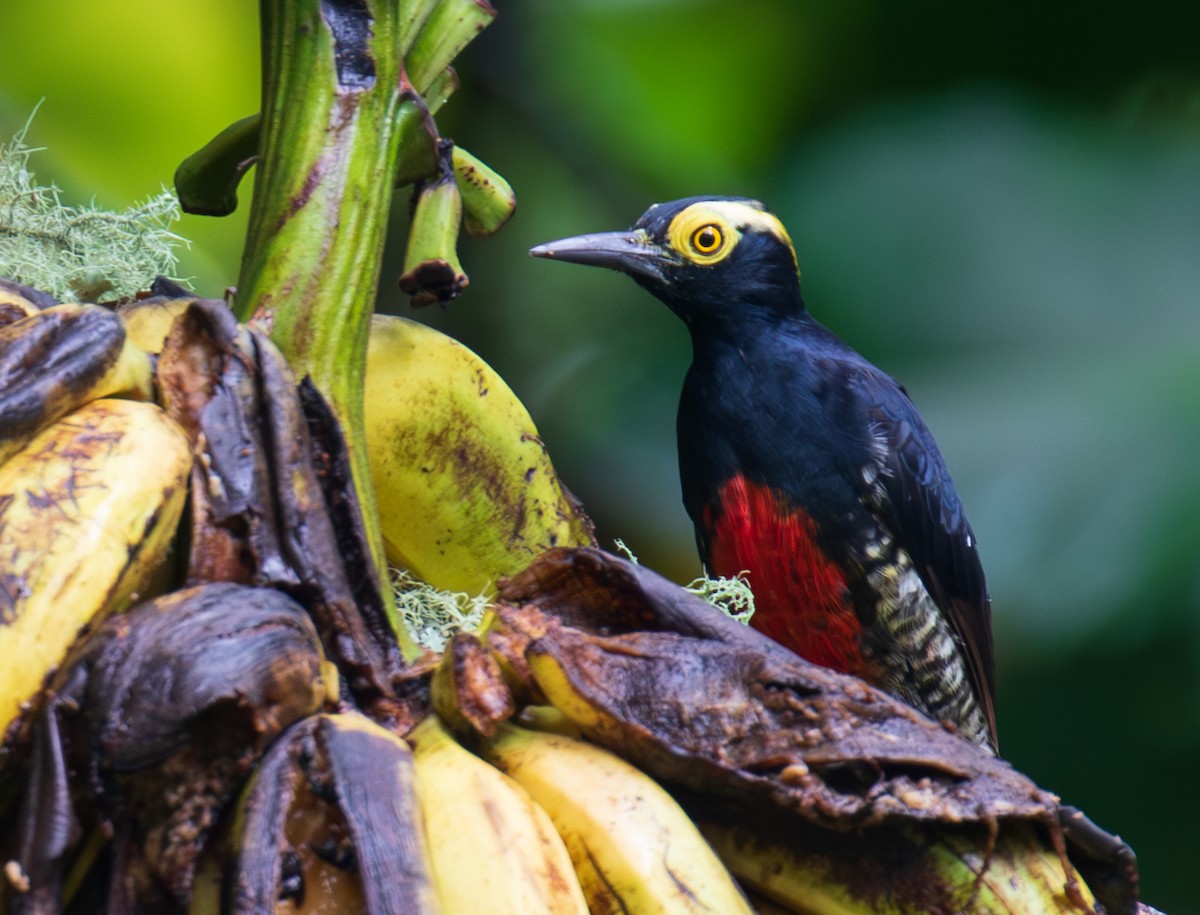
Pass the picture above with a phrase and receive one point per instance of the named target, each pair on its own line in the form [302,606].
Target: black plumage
[808,466]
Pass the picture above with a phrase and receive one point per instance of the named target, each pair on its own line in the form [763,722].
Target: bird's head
[710,259]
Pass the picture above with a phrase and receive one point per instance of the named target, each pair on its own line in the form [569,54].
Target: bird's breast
[800,595]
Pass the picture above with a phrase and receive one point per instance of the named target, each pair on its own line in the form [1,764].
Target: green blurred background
[999,204]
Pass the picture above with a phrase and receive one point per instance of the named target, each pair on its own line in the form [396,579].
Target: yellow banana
[148,321]
[61,358]
[915,870]
[466,490]
[17,301]
[493,849]
[88,510]
[549,719]
[633,847]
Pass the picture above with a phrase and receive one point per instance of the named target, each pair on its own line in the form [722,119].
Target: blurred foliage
[999,204]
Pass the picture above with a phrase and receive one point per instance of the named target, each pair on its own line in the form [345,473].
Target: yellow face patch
[707,232]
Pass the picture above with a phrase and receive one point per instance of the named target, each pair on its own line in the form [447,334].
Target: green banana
[461,192]
[493,849]
[466,490]
[58,359]
[441,87]
[88,511]
[487,198]
[633,847]
[207,180]
[432,272]
[419,158]
[448,27]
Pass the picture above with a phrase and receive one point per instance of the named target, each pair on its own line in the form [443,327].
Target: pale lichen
[732,596]
[431,616]
[79,253]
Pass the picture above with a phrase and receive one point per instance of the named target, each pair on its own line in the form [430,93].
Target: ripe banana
[17,301]
[633,847]
[493,849]
[466,490]
[58,359]
[88,510]
[548,719]
[148,321]
[1016,874]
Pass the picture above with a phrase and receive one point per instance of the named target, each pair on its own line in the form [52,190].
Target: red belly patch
[800,596]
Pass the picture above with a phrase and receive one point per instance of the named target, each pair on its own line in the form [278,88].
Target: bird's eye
[707,239]
[702,235]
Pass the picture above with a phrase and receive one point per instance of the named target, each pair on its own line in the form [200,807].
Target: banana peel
[720,712]
[468,690]
[330,820]
[58,359]
[272,501]
[148,321]
[18,301]
[168,707]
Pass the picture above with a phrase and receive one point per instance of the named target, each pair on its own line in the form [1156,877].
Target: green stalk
[338,113]
[335,106]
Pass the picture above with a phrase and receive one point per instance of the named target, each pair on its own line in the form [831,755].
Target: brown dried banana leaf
[702,702]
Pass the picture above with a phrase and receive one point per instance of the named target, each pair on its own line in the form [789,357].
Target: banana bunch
[633,846]
[93,479]
[606,743]
[465,486]
[110,417]
[208,705]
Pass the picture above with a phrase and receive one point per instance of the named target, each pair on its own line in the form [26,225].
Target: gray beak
[629,252]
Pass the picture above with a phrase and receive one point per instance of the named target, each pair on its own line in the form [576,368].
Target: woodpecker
[809,468]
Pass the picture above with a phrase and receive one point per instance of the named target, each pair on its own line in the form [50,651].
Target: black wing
[923,511]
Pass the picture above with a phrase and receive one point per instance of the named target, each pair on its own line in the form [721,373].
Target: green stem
[336,105]
[338,110]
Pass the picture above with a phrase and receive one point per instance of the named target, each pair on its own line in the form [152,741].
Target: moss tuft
[432,616]
[732,596]
[79,253]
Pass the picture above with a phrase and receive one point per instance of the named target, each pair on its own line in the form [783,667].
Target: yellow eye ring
[702,235]
[707,239]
